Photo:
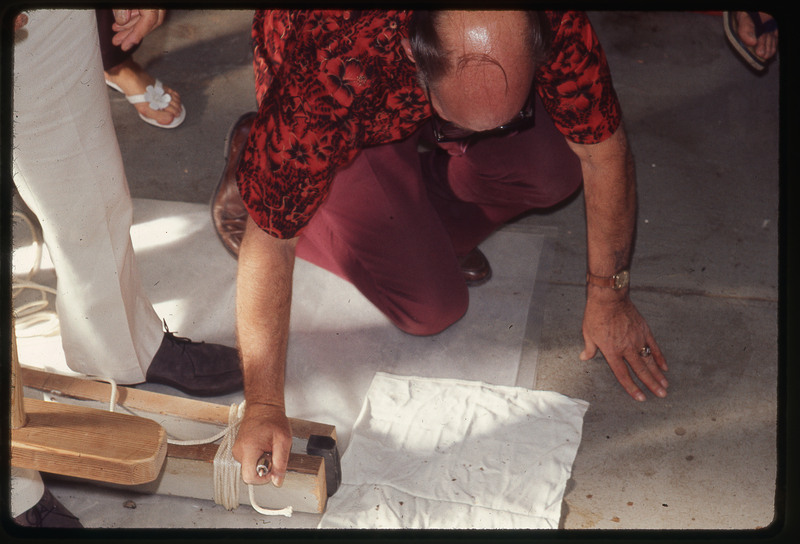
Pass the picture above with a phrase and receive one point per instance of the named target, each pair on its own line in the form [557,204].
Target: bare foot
[133,80]
[766,45]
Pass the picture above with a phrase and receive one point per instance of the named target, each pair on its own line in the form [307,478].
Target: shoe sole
[202,392]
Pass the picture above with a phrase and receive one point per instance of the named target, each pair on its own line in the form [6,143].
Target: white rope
[197,442]
[228,471]
[112,404]
[287,511]
[28,316]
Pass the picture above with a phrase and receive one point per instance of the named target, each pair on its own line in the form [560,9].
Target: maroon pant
[396,219]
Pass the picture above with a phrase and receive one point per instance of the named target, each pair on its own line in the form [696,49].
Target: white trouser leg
[68,169]
[27,489]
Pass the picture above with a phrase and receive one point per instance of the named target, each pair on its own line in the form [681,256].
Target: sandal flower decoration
[156,96]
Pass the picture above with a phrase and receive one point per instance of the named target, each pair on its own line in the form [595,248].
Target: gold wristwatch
[618,281]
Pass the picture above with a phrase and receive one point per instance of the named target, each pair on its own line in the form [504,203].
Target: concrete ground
[704,131]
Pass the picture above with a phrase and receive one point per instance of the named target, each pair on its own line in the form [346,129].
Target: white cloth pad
[454,454]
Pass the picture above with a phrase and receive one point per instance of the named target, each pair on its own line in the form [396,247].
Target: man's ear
[407,48]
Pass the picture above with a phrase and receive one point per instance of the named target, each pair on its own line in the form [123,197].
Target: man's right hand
[264,428]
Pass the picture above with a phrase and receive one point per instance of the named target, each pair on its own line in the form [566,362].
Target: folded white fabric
[454,454]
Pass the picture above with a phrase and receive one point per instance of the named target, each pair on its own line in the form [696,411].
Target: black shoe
[196,368]
[475,268]
[48,512]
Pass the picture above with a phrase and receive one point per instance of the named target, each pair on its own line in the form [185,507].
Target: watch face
[621,280]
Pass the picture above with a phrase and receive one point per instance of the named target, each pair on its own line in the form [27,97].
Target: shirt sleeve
[286,165]
[328,84]
[575,82]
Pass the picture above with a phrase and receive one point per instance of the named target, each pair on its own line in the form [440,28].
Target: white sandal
[157,98]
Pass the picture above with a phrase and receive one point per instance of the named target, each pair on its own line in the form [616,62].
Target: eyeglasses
[445,131]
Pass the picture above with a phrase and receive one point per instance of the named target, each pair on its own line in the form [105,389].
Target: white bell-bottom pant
[68,169]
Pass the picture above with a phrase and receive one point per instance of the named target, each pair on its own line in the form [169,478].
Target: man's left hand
[616,328]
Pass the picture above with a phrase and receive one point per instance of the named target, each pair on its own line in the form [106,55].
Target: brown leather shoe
[196,368]
[475,268]
[227,208]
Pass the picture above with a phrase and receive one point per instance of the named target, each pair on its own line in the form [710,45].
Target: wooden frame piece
[82,442]
[155,403]
[89,443]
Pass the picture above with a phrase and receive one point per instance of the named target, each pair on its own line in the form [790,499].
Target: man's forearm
[610,196]
[263,302]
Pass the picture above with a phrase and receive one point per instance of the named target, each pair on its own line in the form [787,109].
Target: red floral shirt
[330,83]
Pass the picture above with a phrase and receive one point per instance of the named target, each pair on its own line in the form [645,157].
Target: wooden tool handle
[18,417]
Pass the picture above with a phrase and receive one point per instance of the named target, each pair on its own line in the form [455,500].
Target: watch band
[618,281]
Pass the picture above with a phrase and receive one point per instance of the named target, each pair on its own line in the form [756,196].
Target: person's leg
[68,169]
[396,221]
[378,230]
[479,187]
[126,75]
[32,505]
[26,488]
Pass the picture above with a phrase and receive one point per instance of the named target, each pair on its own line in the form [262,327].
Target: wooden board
[88,443]
[17,401]
[155,403]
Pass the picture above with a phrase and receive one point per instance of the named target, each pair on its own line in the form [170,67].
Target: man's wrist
[263,403]
[262,388]
[616,282]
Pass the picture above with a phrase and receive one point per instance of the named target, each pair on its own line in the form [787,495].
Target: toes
[162,117]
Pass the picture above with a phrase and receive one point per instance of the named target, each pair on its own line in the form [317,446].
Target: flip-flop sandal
[746,52]
[157,98]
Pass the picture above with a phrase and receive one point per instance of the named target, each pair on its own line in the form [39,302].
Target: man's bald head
[478,66]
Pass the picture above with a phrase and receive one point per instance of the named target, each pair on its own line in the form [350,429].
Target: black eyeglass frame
[445,131]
